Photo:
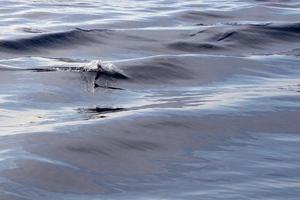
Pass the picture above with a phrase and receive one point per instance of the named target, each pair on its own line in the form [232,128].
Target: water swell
[265,34]
[179,81]
[52,40]
[217,38]
[194,47]
[244,36]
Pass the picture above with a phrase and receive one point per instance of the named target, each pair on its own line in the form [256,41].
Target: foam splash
[103,74]
[99,65]
[93,65]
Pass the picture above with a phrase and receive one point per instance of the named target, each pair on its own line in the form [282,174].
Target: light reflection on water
[217,99]
[26,14]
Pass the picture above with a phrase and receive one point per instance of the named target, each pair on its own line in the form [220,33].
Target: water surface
[196,99]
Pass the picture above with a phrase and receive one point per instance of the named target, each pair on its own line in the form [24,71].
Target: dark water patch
[41,70]
[111,74]
[255,35]
[88,150]
[200,15]
[137,145]
[226,35]
[108,87]
[200,24]
[194,46]
[290,29]
[198,32]
[101,110]
[113,145]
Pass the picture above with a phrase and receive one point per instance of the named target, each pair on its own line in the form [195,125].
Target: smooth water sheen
[152,99]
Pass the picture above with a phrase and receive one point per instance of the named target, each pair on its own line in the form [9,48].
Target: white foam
[93,65]
[99,65]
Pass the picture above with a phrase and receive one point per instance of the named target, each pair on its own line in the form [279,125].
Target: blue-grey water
[152,99]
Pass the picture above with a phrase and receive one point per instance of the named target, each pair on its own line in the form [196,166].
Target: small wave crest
[230,38]
[52,40]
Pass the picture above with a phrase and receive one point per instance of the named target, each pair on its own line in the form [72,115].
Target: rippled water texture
[154,99]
